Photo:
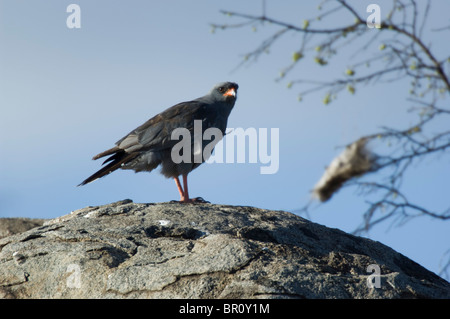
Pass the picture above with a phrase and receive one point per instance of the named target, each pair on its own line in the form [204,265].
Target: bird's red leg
[186,192]
[180,189]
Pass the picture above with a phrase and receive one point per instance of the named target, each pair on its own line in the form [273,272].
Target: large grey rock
[170,250]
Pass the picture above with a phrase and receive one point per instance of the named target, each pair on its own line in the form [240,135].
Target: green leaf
[320,61]
[327,99]
[297,56]
[351,89]
[305,24]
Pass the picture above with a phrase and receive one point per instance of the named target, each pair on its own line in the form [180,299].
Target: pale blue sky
[68,94]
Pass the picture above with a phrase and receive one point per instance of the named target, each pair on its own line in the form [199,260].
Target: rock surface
[11,226]
[170,250]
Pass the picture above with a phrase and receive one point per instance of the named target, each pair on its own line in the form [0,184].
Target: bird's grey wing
[155,134]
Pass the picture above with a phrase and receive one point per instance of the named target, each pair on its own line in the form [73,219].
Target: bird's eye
[221,89]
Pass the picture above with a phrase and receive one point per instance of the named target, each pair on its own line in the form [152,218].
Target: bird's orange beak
[230,92]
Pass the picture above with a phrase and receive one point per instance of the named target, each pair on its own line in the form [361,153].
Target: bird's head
[225,91]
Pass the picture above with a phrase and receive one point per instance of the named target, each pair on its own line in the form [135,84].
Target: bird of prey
[150,145]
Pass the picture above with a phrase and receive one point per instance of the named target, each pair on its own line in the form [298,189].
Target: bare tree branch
[403,55]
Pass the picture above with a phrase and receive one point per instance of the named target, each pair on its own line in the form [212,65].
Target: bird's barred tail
[116,162]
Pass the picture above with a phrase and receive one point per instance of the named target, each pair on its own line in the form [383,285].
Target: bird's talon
[196,200]
[200,200]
